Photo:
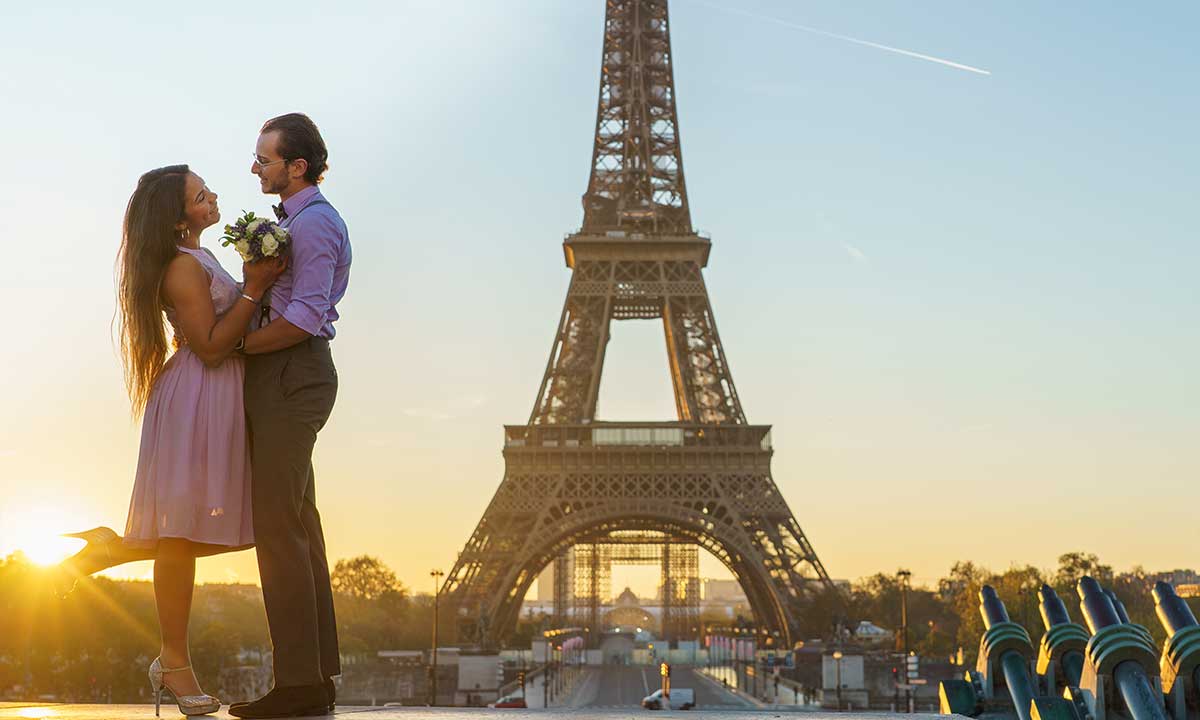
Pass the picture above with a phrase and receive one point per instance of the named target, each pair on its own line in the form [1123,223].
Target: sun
[35,530]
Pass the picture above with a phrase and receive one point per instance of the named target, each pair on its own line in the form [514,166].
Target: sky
[966,302]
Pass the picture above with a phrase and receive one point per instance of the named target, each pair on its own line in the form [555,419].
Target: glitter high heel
[188,704]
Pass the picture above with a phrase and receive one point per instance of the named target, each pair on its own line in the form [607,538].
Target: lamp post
[905,577]
[437,587]
[837,658]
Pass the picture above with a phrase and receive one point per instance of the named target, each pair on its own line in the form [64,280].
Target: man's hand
[278,335]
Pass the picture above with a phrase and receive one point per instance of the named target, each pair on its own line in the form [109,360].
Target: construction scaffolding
[563,583]
[678,594]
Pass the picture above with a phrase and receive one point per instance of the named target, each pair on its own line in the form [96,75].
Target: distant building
[723,591]
[1188,590]
[1177,578]
[871,634]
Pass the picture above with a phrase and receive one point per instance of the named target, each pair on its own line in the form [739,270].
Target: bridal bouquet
[256,238]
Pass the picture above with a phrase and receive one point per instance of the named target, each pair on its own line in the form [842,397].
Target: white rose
[253,226]
[269,244]
[243,248]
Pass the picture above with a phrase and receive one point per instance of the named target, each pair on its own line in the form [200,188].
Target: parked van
[681,699]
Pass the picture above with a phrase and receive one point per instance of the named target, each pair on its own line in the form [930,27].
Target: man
[291,385]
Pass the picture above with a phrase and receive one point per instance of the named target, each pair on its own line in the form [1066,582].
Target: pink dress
[193,472]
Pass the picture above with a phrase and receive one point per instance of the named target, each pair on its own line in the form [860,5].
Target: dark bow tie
[280,213]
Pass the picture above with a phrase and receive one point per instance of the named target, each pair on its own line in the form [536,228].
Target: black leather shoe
[296,701]
[330,691]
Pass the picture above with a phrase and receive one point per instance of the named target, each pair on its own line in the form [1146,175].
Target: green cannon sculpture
[1003,681]
[1061,652]
[1108,671]
[1120,679]
[1179,666]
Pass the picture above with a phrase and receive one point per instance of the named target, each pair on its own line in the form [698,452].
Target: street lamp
[437,587]
[905,577]
[837,657]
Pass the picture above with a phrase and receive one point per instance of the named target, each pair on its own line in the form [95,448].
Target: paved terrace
[31,711]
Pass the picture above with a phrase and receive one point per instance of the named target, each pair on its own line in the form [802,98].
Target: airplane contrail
[856,41]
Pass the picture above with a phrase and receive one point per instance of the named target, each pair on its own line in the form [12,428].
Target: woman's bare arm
[186,288]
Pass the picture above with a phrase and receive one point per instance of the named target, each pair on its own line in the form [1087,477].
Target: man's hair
[300,138]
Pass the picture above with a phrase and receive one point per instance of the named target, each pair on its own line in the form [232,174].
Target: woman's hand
[261,274]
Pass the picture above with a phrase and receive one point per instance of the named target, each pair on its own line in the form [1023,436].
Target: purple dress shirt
[307,293]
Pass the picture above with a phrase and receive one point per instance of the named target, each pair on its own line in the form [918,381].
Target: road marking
[580,698]
[645,683]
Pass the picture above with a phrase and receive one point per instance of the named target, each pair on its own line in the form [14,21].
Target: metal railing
[664,435]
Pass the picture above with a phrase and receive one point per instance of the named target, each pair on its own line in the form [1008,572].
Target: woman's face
[200,205]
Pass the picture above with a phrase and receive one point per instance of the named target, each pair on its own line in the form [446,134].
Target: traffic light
[521,679]
[664,670]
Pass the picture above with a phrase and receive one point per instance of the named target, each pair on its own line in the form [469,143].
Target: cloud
[854,253]
[471,402]
[424,414]
[458,408]
[846,38]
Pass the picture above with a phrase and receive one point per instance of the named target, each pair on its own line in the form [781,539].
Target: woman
[191,495]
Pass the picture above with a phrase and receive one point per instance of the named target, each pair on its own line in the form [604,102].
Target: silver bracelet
[249,298]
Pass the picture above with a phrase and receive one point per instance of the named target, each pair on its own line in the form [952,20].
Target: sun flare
[36,530]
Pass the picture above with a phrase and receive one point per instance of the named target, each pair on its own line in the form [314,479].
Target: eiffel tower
[569,480]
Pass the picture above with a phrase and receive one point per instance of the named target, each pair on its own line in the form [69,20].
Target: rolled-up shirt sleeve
[315,240]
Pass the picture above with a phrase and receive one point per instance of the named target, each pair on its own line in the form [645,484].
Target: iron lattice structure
[569,480]
[637,164]
[679,578]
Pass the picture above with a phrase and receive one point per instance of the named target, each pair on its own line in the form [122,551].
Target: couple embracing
[231,417]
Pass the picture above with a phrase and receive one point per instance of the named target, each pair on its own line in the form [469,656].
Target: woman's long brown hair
[149,241]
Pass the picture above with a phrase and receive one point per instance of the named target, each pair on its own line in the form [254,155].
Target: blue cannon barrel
[1014,667]
[1140,697]
[1174,614]
[1097,608]
[1172,611]
[1020,686]
[1054,612]
[991,607]
[1117,605]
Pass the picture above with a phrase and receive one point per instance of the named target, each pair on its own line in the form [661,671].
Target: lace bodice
[223,289]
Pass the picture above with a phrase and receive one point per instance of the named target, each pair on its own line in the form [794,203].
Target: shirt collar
[293,204]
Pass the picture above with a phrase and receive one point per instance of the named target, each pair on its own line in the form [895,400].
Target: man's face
[269,166]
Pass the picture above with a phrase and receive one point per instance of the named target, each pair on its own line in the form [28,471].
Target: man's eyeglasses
[264,163]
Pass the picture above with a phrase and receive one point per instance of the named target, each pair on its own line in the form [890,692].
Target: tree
[932,624]
[960,591]
[364,578]
[1074,565]
[373,608]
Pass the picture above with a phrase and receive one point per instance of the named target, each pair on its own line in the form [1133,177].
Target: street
[615,686]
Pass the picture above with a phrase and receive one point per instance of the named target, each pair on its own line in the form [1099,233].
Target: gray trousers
[289,396]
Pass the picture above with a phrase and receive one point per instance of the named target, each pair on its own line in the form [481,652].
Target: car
[509,701]
[680,699]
